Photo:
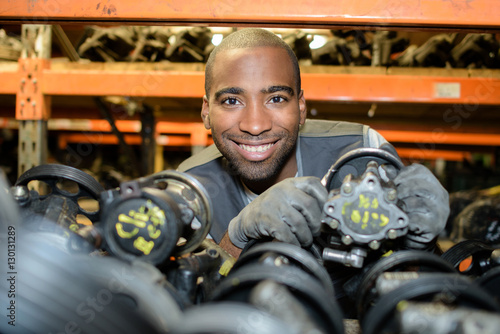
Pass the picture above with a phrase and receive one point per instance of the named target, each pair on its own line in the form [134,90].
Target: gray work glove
[426,203]
[290,211]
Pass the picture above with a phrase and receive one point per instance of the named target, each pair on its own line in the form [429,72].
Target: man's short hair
[249,38]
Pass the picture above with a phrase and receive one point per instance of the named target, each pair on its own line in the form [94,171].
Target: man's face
[254,112]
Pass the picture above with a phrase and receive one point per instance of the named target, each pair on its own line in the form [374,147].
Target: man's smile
[256,148]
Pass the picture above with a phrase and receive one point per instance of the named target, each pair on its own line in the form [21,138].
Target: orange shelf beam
[417,154]
[110,139]
[317,86]
[441,138]
[401,88]
[342,87]
[458,14]
[10,82]
[124,83]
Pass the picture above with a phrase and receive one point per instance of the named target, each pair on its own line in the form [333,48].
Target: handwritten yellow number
[124,234]
[143,245]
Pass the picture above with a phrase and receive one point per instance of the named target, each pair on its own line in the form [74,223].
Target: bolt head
[392,195]
[20,193]
[392,234]
[347,239]
[495,256]
[374,244]
[280,261]
[334,224]
[347,187]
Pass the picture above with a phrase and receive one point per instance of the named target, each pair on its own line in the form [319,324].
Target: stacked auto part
[479,261]
[362,211]
[147,217]
[288,283]
[138,255]
[151,44]
[403,293]
[142,260]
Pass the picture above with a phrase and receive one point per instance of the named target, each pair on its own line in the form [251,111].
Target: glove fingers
[282,232]
[309,209]
[425,215]
[310,201]
[296,224]
[313,187]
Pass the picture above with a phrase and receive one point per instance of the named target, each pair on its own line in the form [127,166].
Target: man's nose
[256,119]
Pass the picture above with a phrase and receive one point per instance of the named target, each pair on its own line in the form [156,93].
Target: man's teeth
[256,148]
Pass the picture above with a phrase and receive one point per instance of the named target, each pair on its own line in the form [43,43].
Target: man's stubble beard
[255,171]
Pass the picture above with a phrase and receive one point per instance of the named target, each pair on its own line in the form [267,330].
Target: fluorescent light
[216,39]
[317,42]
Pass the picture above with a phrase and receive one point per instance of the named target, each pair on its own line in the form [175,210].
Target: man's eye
[231,101]
[278,99]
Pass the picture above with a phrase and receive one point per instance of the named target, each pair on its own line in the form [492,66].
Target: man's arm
[228,246]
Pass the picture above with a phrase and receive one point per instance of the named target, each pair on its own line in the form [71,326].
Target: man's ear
[204,113]
[302,108]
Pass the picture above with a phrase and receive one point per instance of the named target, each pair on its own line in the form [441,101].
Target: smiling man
[254,108]
[263,172]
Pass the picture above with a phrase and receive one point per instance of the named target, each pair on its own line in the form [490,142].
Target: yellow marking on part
[124,234]
[144,246]
[129,220]
[153,232]
[227,266]
[366,216]
[384,219]
[364,202]
[375,203]
[355,216]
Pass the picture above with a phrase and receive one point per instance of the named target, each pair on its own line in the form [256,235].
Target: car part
[317,301]
[299,42]
[230,318]
[435,318]
[386,43]
[479,220]
[355,162]
[53,176]
[191,194]
[107,44]
[186,271]
[148,218]
[363,213]
[435,52]
[401,261]
[472,257]
[490,281]
[476,51]
[57,291]
[190,45]
[298,257]
[449,289]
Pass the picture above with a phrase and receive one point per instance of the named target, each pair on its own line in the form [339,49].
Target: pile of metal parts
[136,258]
[475,214]
[146,44]
[10,47]
[385,48]
[343,47]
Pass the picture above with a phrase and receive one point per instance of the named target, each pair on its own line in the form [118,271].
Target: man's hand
[290,211]
[425,201]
